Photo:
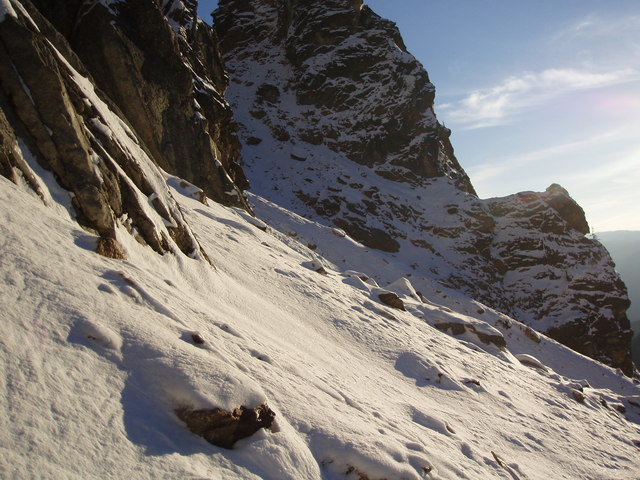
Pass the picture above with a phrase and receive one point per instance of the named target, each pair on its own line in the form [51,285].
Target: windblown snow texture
[369,366]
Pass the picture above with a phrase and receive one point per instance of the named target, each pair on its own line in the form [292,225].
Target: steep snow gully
[223,334]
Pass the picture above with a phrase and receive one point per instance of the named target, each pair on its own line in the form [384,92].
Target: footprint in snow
[416,447]
[99,338]
[537,444]
[229,329]
[136,290]
[425,373]
[261,356]
[103,287]
[467,451]
[432,423]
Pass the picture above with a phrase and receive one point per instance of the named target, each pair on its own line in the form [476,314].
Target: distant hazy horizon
[624,247]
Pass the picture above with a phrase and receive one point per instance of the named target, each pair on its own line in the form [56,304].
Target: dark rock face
[460,328]
[391,299]
[338,125]
[367,97]
[167,78]
[222,428]
[102,94]
[369,236]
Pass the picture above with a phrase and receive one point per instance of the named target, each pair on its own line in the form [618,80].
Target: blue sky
[536,92]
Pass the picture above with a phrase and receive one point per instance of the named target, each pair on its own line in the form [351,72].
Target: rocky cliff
[111,97]
[160,65]
[337,124]
[357,88]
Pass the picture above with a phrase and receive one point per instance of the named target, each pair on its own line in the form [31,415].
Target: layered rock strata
[159,63]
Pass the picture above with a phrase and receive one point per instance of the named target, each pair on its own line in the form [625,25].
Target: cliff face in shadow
[111,97]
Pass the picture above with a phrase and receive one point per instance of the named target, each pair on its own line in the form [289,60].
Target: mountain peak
[356,89]
[569,210]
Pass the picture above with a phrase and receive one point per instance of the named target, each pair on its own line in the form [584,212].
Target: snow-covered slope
[98,353]
[199,310]
[338,125]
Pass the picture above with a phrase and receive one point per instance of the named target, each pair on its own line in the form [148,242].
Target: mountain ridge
[337,124]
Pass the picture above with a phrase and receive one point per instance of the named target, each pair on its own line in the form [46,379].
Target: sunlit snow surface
[97,353]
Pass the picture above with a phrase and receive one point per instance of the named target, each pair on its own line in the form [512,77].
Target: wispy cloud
[572,152]
[498,105]
[597,26]
[498,170]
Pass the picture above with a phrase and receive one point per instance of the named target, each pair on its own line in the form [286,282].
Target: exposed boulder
[392,299]
[532,335]
[485,333]
[222,428]
[111,248]
[578,396]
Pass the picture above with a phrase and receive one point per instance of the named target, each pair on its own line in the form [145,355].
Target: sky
[535,93]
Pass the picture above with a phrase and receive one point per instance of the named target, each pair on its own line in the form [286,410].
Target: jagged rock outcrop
[357,89]
[334,80]
[101,94]
[160,64]
[337,122]
[556,278]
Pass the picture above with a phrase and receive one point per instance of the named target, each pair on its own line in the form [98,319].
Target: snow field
[97,353]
